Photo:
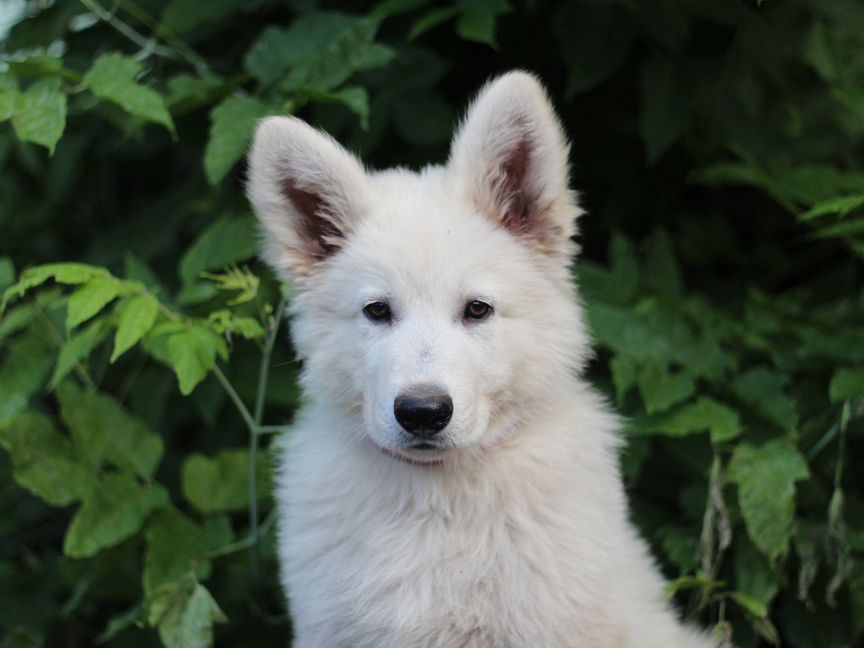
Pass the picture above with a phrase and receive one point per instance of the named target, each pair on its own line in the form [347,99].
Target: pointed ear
[510,158]
[307,191]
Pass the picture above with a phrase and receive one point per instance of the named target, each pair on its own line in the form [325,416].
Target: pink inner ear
[512,194]
[316,225]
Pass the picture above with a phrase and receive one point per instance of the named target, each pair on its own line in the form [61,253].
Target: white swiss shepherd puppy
[452,481]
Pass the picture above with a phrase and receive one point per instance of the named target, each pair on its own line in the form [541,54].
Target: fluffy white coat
[515,531]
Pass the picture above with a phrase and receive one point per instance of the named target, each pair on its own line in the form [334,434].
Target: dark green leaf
[176,549]
[228,240]
[7,272]
[840,206]
[104,430]
[478,19]
[45,461]
[77,349]
[321,50]
[594,39]
[113,512]
[766,477]
[763,389]
[231,126]
[185,616]
[222,483]
[847,383]
[661,389]
[24,371]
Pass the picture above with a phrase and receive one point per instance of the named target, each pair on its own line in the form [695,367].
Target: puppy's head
[436,306]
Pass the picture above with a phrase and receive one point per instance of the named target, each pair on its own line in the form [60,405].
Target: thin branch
[169,36]
[247,542]
[80,369]
[260,398]
[148,45]
[235,398]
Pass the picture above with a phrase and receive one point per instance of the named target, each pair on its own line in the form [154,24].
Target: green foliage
[113,78]
[719,146]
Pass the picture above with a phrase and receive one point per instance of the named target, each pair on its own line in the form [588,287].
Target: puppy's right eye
[377,312]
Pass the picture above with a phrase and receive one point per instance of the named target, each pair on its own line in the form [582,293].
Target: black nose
[423,411]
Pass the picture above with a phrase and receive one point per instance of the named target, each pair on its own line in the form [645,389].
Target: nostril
[423,412]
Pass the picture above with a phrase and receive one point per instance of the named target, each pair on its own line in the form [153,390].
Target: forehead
[420,236]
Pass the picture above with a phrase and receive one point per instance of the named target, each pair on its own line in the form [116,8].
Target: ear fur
[510,158]
[307,191]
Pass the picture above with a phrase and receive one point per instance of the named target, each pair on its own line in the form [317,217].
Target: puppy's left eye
[477,310]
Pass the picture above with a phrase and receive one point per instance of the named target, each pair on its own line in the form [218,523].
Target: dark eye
[377,311]
[477,310]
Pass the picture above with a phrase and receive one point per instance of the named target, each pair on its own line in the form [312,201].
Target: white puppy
[453,481]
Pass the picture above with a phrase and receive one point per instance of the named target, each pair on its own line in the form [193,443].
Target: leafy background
[718,146]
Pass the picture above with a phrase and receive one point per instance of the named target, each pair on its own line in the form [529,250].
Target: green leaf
[185,616]
[478,19]
[41,65]
[120,622]
[727,173]
[681,544]
[40,114]
[176,549]
[846,230]
[104,430]
[661,268]
[25,370]
[750,604]
[192,354]
[321,50]
[183,16]
[840,206]
[224,321]
[221,484]
[762,388]
[623,376]
[355,98]
[664,112]
[113,78]
[766,477]
[66,273]
[136,317]
[7,272]
[231,126]
[593,39]
[624,277]
[17,319]
[77,348]
[228,240]
[846,383]
[9,98]
[704,414]
[44,461]
[430,20]
[661,389]
[753,573]
[89,299]
[113,512]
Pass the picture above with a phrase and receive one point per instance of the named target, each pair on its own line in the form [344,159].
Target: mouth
[424,446]
[422,453]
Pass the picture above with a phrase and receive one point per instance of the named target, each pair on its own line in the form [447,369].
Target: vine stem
[146,44]
[253,424]
[260,398]
[247,542]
